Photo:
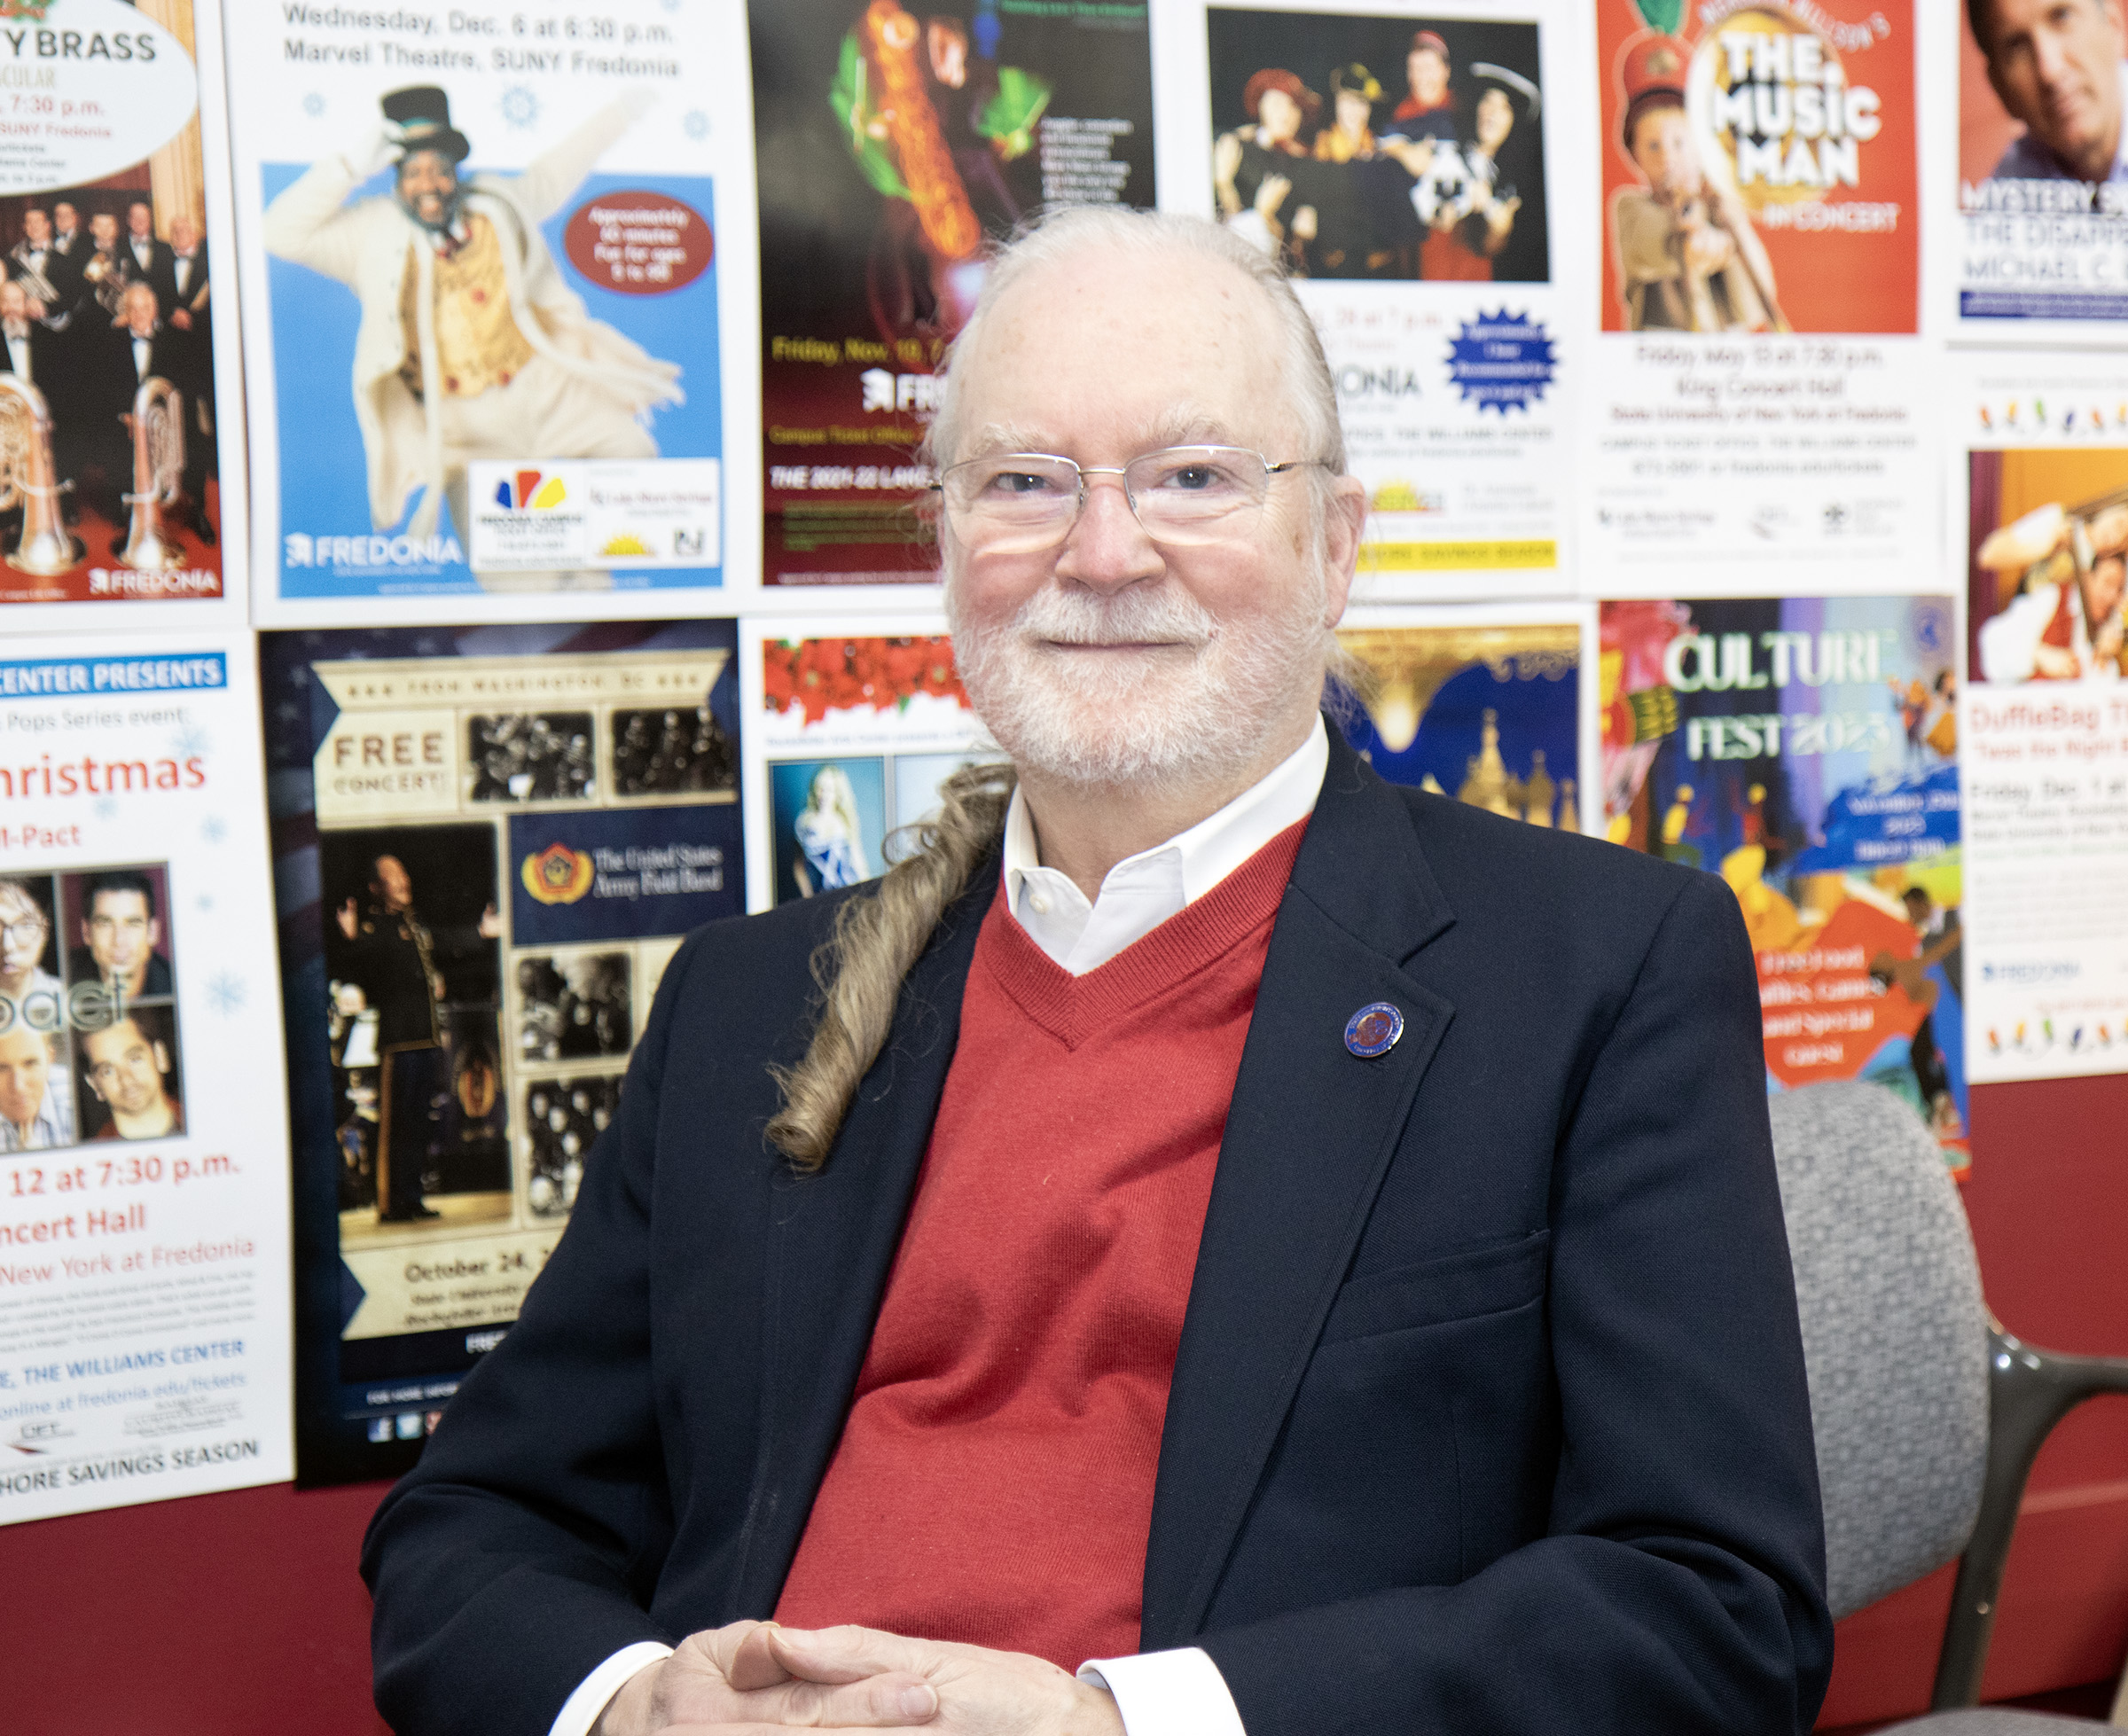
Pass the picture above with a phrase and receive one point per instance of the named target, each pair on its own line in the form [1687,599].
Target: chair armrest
[2030,1390]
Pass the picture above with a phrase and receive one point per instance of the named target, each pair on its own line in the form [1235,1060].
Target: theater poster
[849,733]
[2044,536]
[121,462]
[1403,165]
[487,843]
[2036,248]
[1758,417]
[892,146]
[1487,706]
[144,1180]
[1805,749]
[499,272]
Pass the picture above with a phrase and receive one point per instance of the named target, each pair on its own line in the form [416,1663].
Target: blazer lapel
[833,1242]
[1308,1139]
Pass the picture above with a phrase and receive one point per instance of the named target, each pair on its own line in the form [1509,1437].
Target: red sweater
[994,1481]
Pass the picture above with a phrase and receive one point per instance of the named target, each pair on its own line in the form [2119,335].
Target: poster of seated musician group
[143,1198]
[491,333]
[489,842]
[1757,415]
[121,468]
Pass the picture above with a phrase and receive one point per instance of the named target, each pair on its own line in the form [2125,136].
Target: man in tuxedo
[180,277]
[44,272]
[152,257]
[1228,1245]
[25,337]
[138,347]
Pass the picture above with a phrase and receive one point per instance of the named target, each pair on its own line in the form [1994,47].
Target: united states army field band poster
[489,841]
[893,144]
[1805,749]
[489,258]
[143,1188]
[1755,410]
[114,228]
[1402,165]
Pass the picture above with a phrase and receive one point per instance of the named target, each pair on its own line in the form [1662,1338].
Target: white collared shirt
[182,268]
[18,354]
[1143,891]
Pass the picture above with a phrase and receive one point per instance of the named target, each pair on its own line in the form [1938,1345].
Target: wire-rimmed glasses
[1019,502]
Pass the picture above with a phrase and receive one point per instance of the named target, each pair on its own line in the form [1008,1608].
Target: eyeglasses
[24,930]
[1018,502]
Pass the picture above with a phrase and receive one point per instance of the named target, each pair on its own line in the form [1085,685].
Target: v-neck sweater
[994,1479]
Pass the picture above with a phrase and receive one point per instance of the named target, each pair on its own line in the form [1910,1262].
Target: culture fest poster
[489,842]
[1758,407]
[1404,169]
[144,1191]
[1806,749]
[852,726]
[1486,706]
[2036,249]
[893,145]
[2044,530]
[115,484]
[498,270]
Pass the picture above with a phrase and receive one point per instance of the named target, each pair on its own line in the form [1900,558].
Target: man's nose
[1107,547]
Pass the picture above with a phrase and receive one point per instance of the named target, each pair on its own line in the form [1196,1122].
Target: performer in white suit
[472,345]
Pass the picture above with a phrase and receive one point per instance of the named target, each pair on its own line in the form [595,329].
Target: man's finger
[891,1700]
[846,1653]
[751,1664]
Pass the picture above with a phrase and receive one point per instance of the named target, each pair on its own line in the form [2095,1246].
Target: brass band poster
[144,1189]
[490,261]
[892,145]
[1757,410]
[1805,749]
[2045,534]
[1403,169]
[487,843]
[113,222]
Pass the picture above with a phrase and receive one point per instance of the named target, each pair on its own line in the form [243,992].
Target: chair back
[1894,1334]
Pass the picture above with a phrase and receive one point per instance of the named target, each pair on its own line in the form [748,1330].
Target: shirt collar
[1143,891]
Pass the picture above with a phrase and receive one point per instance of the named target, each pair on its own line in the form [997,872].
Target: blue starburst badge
[1502,361]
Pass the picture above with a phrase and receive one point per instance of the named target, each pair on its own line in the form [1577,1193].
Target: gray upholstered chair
[1928,1415]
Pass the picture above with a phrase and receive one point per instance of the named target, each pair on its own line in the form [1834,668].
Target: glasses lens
[1017,500]
[1196,492]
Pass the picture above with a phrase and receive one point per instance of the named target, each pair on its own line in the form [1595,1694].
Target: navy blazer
[1488,1412]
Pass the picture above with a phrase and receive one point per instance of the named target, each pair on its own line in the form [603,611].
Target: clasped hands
[753,1679]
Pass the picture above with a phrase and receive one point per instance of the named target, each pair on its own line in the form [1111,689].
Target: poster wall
[1805,749]
[119,461]
[1403,166]
[144,1203]
[497,273]
[1756,402]
[492,840]
[2045,720]
[892,146]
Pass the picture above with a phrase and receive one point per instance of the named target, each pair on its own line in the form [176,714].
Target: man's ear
[1344,524]
[162,1059]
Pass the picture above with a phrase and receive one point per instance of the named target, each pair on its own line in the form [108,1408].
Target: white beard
[1168,720]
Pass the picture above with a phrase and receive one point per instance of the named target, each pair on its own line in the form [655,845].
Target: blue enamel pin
[1373,1031]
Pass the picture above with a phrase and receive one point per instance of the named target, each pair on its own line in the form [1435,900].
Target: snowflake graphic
[204,901]
[314,105]
[670,6]
[190,740]
[213,830]
[696,124]
[520,106]
[105,808]
[225,992]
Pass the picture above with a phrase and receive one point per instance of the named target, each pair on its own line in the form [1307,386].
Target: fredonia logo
[557,875]
[525,491]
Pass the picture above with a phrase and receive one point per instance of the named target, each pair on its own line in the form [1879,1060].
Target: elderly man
[1305,1250]
[472,344]
[2056,64]
[36,1113]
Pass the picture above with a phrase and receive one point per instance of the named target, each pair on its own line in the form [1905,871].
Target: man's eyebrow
[1180,424]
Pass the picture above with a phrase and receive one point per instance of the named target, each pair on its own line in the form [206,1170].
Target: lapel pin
[1373,1031]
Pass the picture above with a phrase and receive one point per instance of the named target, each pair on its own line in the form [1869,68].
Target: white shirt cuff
[1164,1694]
[580,1711]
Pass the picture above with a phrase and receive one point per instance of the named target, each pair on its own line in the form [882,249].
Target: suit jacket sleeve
[1677,1585]
[503,1577]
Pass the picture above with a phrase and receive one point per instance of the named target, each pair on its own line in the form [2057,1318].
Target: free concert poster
[1805,749]
[1486,707]
[1755,407]
[115,487]
[892,146]
[143,1179]
[2037,248]
[1404,169]
[488,261]
[488,843]
[849,734]
[2046,718]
